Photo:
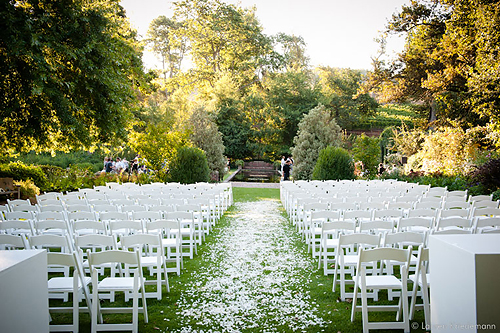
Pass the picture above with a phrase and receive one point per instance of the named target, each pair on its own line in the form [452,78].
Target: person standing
[286,170]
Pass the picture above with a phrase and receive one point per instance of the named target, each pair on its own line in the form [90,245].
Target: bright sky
[338,33]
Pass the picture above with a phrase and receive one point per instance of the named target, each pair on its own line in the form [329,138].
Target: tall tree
[165,41]
[317,130]
[223,38]
[67,71]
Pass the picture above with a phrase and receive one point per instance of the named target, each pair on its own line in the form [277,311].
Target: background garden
[74,91]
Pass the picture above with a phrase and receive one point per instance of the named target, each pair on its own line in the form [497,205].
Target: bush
[28,188]
[333,163]
[189,166]
[488,175]
[20,171]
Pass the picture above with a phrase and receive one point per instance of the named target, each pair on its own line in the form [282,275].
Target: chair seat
[331,242]
[169,242]
[117,283]
[351,260]
[428,278]
[150,261]
[64,284]
[383,282]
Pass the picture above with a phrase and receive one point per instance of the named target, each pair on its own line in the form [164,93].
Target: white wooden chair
[187,231]
[364,283]
[12,242]
[59,286]
[421,284]
[347,258]
[170,231]
[151,254]
[111,284]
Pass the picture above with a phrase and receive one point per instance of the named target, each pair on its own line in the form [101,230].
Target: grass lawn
[164,315]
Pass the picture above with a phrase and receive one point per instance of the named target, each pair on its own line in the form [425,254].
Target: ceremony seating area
[337,218]
[108,239]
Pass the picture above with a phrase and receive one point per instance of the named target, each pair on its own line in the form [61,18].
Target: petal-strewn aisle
[252,279]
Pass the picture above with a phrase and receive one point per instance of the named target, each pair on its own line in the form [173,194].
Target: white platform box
[24,306]
[465,282]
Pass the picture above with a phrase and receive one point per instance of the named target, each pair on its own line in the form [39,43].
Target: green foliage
[239,163]
[189,166]
[488,175]
[66,71]
[333,163]
[339,87]
[63,159]
[234,127]
[22,172]
[367,150]
[28,188]
[317,130]
[206,136]
[391,115]
[158,145]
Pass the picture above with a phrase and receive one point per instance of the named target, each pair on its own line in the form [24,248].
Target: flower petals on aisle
[253,278]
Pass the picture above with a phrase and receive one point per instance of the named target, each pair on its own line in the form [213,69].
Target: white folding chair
[170,231]
[128,284]
[329,240]
[59,286]
[151,254]
[347,257]
[187,231]
[12,242]
[365,282]
[421,280]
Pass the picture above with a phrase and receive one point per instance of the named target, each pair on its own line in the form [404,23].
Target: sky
[338,33]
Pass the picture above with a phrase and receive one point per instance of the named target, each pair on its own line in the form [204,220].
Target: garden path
[253,277]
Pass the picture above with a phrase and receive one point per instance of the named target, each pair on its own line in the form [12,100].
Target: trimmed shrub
[333,163]
[488,175]
[189,166]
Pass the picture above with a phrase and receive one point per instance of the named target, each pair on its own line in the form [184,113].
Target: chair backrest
[338,227]
[24,208]
[358,215]
[125,227]
[410,223]
[387,214]
[105,208]
[114,256]
[17,227]
[12,242]
[447,222]
[48,202]
[486,222]
[422,212]
[481,197]
[132,208]
[113,216]
[51,241]
[428,205]
[444,213]
[45,216]
[485,204]
[376,226]
[402,239]
[79,208]
[82,216]
[489,212]
[18,216]
[360,239]
[138,240]
[383,253]
[96,240]
[146,216]
[451,231]
[91,226]
[60,226]
[180,216]
[324,215]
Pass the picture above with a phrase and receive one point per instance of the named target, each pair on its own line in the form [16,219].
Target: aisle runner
[251,279]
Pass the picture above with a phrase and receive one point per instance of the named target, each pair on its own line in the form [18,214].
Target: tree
[223,38]
[368,151]
[317,130]
[206,136]
[340,91]
[450,61]
[67,71]
[164,39]
[158,145]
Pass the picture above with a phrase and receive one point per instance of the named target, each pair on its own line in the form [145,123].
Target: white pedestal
[465,282]
[24,306]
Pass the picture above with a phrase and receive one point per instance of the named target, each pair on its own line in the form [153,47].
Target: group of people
[286,167]
[121,165]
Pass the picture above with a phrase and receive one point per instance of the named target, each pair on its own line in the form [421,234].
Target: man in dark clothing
[286,170]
